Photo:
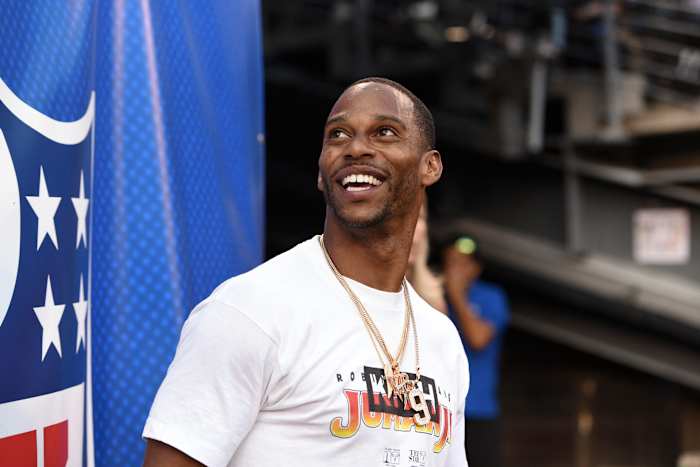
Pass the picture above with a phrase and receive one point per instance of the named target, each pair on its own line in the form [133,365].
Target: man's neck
[374,257]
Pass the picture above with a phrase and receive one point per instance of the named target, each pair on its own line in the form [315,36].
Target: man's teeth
[360,178]
[357,188]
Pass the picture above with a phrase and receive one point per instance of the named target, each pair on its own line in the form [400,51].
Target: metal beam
[627,347]
[659,180]
[660,294]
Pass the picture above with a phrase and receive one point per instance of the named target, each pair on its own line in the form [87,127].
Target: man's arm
[213,391]
[478,332]
[163,455]
[459,276]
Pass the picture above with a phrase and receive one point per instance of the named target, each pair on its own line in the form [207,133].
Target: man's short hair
[422,115]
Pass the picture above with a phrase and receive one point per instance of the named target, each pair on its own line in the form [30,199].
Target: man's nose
[359,147]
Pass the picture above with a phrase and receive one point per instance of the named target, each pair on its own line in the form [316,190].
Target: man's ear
[431,167]
[319,182]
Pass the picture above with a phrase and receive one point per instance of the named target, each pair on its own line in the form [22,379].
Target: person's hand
[419,247]
[456,272]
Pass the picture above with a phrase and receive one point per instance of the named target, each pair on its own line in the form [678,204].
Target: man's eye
[386,131]
[337,133]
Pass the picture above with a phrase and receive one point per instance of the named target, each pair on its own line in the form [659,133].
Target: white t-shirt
[276,368]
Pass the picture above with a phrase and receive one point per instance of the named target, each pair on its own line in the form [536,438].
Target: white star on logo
[80,308]
[81,206]
[44,207]
[49,317]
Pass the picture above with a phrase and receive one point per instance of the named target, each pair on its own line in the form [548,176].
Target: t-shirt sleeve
[215,386]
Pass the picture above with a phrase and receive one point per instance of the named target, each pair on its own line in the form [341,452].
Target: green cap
[465,245]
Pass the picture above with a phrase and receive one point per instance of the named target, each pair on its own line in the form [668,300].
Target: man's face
[371,163]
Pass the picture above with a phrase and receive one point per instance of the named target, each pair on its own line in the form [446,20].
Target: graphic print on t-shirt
[375,410]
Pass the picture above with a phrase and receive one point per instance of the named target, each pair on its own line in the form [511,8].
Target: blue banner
[131,184]
[179,180]
[46,160]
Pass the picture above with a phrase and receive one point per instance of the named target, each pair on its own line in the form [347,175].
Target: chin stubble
[349,222]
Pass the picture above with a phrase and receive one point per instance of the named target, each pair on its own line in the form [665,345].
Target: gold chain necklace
[367,319]
[396,381]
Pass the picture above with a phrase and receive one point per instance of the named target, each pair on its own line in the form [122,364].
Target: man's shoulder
[433,320]
[266,280]
[493,302]
[490,289]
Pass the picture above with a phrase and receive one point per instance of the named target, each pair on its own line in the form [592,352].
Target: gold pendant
[417,400]
[397,382]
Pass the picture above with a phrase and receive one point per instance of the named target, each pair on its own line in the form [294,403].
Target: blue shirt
[489,302]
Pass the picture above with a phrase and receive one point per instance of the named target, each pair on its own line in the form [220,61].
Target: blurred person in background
[428,285]
[479,309]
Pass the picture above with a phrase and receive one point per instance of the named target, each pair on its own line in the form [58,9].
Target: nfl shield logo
[45,186]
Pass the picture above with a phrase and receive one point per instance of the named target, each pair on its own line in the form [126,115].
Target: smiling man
[325,355]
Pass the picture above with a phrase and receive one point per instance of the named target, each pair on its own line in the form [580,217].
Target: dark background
[549,162]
